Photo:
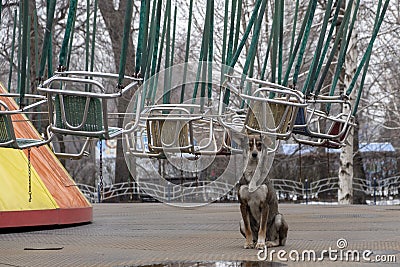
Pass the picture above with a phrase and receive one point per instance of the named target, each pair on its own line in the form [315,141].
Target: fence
[384,191]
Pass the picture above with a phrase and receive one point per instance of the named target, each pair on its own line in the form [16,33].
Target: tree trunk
[360,195]
[114,20]
[345,192]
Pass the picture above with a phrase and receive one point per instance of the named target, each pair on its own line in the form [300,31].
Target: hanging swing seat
[7,134]
[170,128]
[164,128]
[272,108]
[136,143]
[316,127]
[78,112]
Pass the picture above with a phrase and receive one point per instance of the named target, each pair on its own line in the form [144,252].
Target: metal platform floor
[148,234]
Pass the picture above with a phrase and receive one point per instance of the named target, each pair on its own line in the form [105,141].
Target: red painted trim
[45,217]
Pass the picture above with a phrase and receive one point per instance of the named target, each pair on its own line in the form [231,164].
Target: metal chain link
[29,176]
[196,157]
[101,170]
[181,167]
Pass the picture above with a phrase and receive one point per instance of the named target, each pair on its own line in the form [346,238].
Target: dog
[262,224]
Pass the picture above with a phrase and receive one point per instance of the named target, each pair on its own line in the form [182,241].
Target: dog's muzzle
[254,154]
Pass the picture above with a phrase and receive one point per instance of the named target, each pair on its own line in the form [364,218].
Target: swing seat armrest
[273,100]
[51,91]
[42,100]
[129,87]
[95,74]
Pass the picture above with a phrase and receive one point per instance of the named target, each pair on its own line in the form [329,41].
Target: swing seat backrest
[281,114]
[336,128]
[300,124]
[78,113]
[7,137]
[161,132]
[82,115]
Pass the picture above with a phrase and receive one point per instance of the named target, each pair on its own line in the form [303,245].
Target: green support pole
[224,40]
[312,73]
[280,51]
[326,47]
[162,40]
[343,48]
[87,37]
[47,36]
[249,64]
[167,92]
[153,57]
[35,28]
[93,36]
[173,42]
[24,52]
[296,11]
[19,49]
[368,51]
[296,46]
[225,32]
[340,33]
[201,70]
[357,102]
[275,40]
[146,45]
[304,42]
[231,32]
[235,57]
[187,50]
[67,34]
[29,60]
[254,40]
[142,26]
[210,53]
[50,59]
[125,42]
[237,27]
[147,89]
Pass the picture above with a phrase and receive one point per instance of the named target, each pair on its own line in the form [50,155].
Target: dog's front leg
[262,231]
[246,224]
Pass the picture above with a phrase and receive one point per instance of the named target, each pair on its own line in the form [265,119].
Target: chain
[101,170]
[29,176]
[196,157]
[181,167]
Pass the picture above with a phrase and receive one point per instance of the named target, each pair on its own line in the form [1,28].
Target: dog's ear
[266,140]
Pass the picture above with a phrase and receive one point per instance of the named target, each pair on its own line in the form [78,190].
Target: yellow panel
[14,184]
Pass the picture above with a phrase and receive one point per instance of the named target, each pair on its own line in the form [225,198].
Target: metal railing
[286,189]
[211,190]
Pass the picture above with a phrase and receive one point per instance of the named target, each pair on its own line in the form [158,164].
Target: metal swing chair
[281,102]
[328,119]
[316,127]
[8,137]
[80,113]
[169,128]
[269,110]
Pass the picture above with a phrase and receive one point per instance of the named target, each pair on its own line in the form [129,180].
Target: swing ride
[191,113]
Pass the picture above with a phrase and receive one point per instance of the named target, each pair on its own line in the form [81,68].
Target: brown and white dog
[261,224]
